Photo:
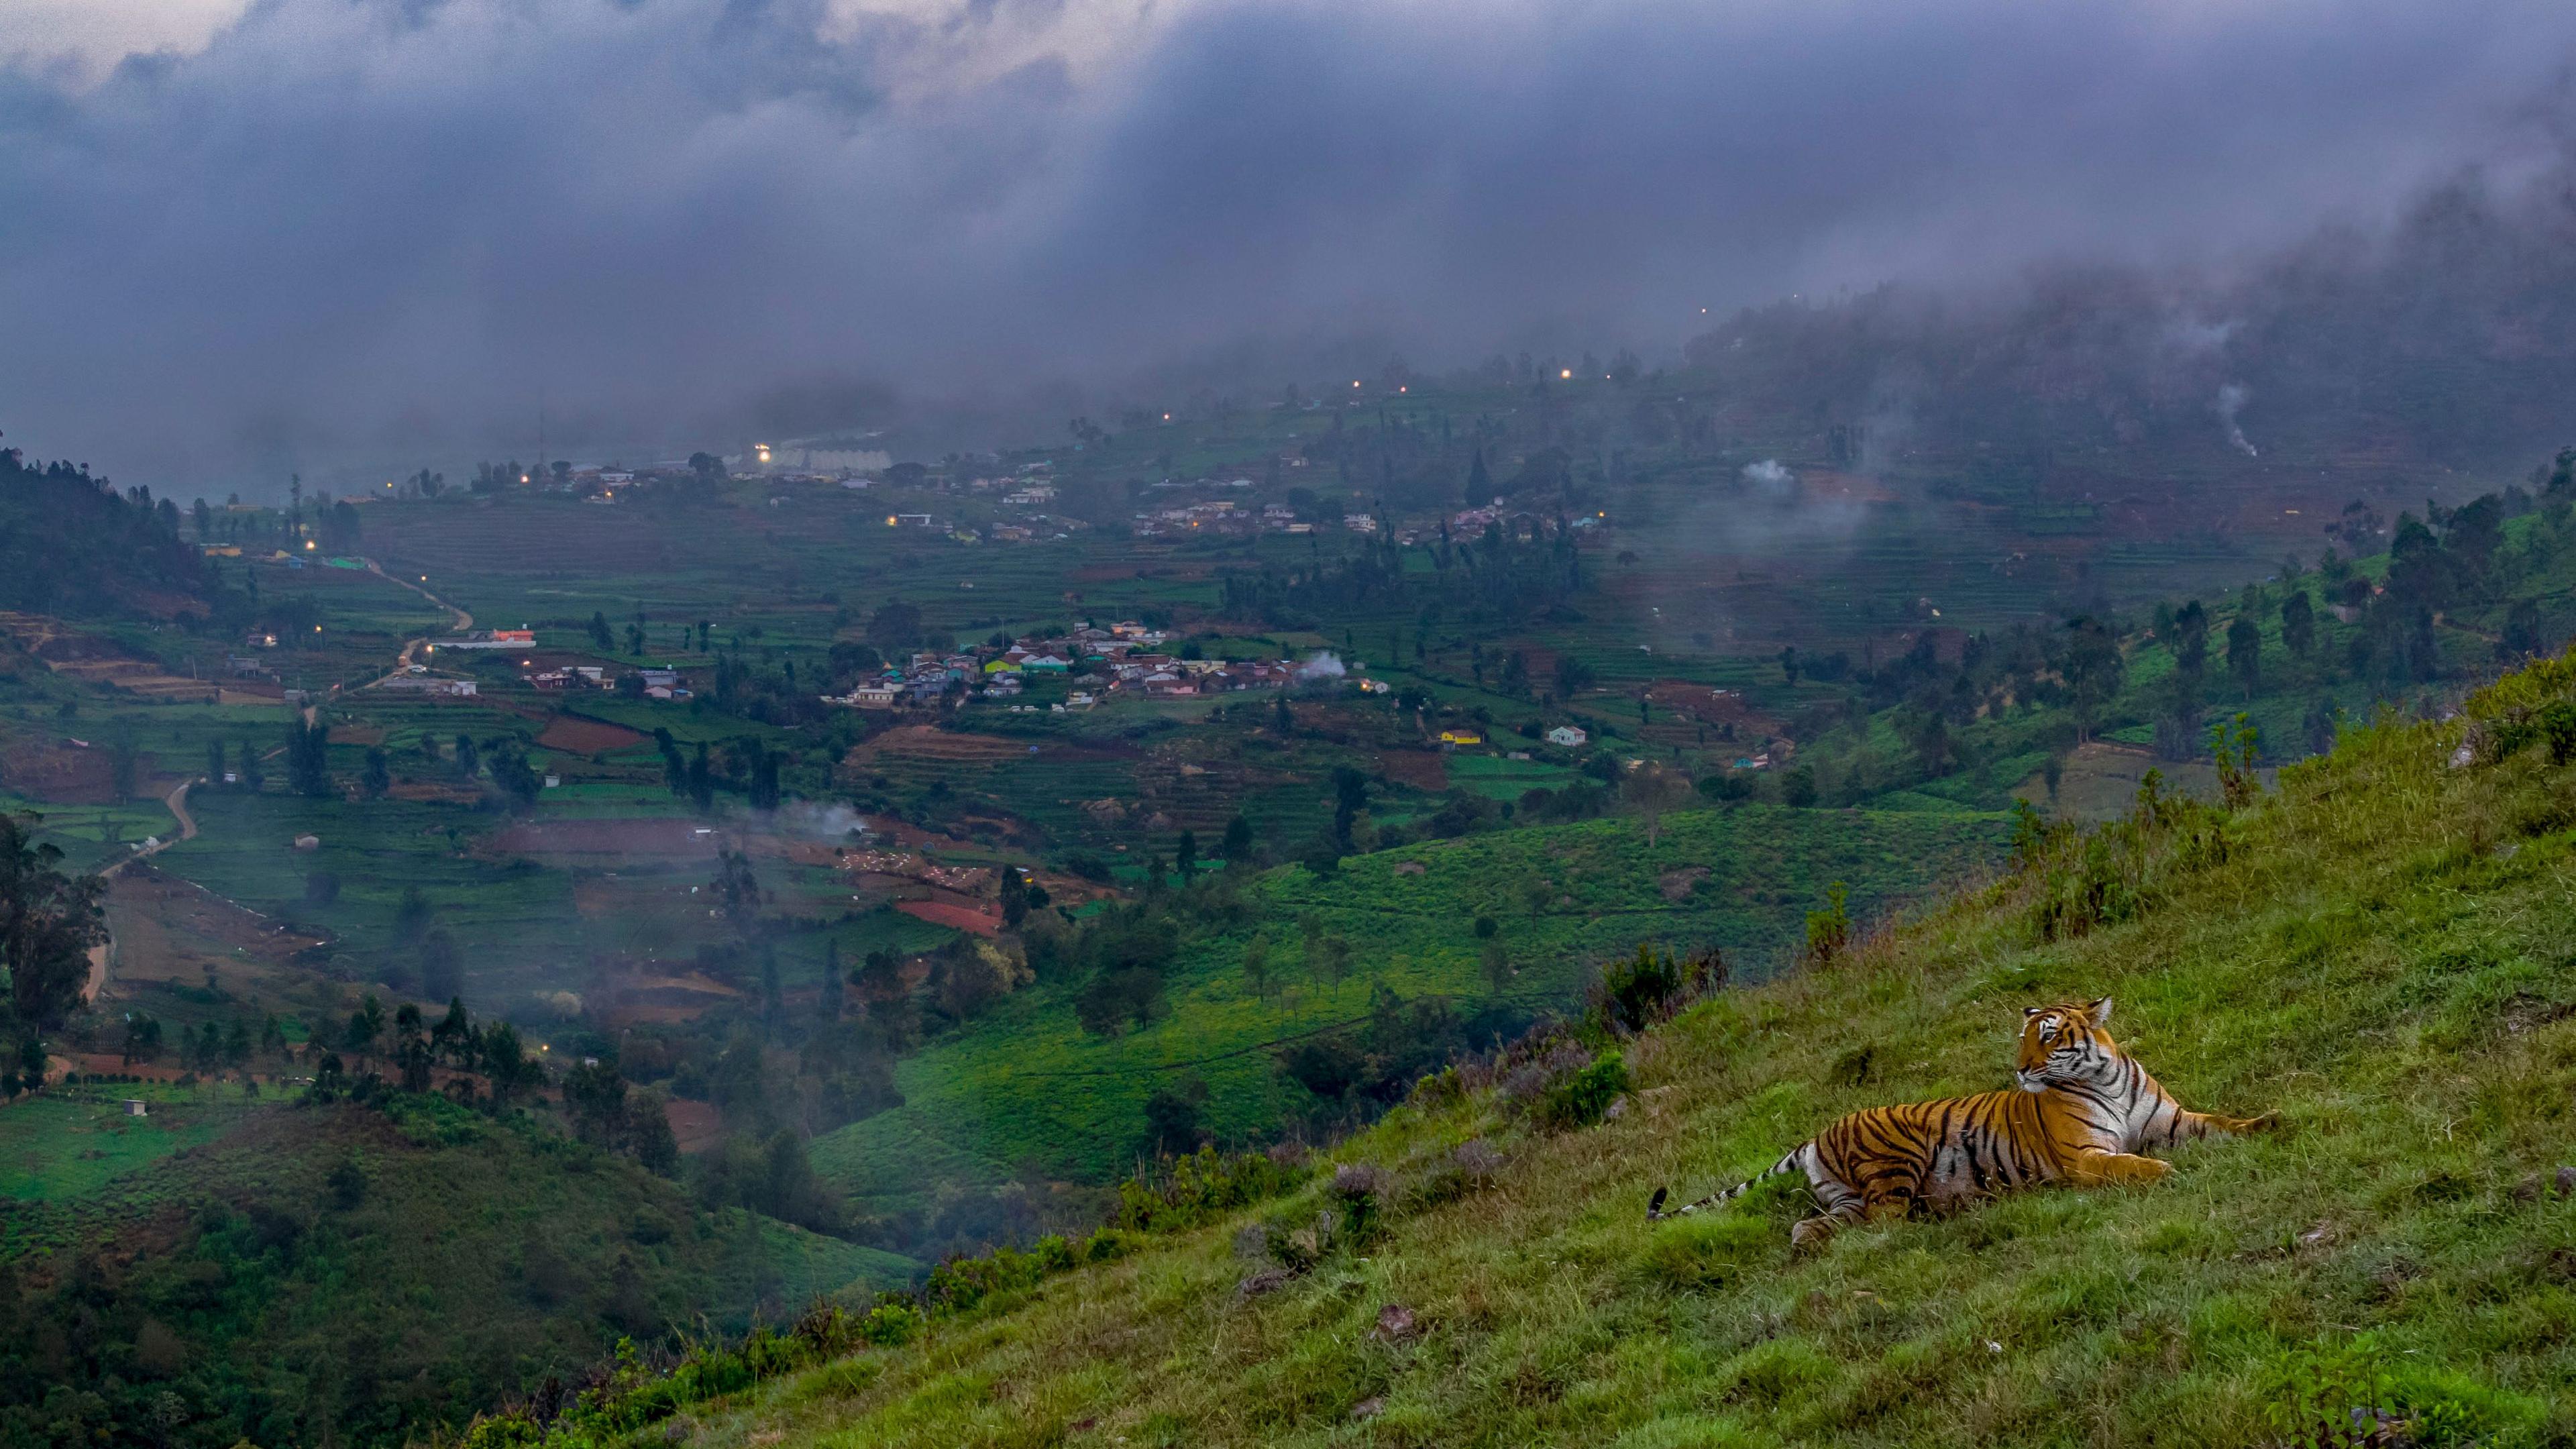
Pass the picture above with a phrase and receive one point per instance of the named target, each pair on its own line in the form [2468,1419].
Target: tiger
[2081,1112]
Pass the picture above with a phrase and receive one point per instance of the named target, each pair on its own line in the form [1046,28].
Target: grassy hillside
[312,1274]
[1026,1085]
[2378,951]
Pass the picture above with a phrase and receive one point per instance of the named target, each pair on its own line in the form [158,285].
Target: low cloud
[374,234]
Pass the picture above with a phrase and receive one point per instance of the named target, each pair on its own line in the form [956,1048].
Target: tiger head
[2063,1043]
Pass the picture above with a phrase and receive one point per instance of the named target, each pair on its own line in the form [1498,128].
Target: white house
[1567,735]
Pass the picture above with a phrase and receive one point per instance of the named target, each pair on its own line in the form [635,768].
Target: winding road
[177,800]
[459,620]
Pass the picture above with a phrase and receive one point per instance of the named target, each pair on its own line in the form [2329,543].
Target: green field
[1026,1089]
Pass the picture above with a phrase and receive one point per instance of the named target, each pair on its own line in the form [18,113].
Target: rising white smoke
[2231,401]
[1771,479]
[1324,666]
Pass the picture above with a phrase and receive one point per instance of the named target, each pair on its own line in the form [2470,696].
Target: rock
[308,842]
[2567,1182]
[1268,1280]
[1368,1408]
[1395,1324]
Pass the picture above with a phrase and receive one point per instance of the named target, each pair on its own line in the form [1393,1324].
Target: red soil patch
[1421,769]
[587,736]
[60,774]
[963,918]
[697,1126]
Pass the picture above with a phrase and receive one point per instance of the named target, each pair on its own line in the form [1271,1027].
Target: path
[177,802]
[459,620]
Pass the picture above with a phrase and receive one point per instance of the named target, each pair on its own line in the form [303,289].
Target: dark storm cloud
[367,231]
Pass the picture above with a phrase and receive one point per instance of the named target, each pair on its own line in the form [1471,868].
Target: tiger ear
[2100,1011]
[2028,1012]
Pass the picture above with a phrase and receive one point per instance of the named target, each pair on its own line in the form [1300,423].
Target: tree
[1798,787]
[2093,669]
[1237,845]
[1573,676]
[1172,1118]
[595,1095]
[895,628]
[214,762]
[1650,791]
[252,777]
[1789,663]
[366,1027]
[881,981]
[2298,624]
[1350,797]
[412,1054]
[2521,637]
[1185,856]
[308,760]
[828,1003]
[1497,965]
[600,638]
[1480,484]
[48,923]
[2245,653]
[737,893]
[702,784]
[377,777]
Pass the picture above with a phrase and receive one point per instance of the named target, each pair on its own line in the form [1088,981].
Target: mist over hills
[384,235]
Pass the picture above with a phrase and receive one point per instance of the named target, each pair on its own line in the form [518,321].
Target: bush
[1649,987]
[1582,1097]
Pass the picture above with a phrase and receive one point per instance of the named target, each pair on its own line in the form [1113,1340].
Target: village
[1124,658]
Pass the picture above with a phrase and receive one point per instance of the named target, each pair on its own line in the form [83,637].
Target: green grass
[343,1274]
[2379,954]
[64,1145]
[1025,1085]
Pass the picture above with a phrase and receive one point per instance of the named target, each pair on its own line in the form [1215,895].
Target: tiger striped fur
[2082,1112]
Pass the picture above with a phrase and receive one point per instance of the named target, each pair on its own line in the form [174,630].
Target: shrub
[1649,987]
[1579,1099]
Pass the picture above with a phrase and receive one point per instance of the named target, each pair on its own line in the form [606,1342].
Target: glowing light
[308,543]
[1355,382]
[523,477]
[889,520]
[1568,372]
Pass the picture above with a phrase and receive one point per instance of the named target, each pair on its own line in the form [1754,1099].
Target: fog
[343,235]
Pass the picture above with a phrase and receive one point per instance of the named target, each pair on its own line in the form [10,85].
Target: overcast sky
[244,235]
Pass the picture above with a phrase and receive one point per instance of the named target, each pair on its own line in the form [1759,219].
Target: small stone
[1368,1408]
[1617,1110]
[2567,1182]
[1268,1280]
[1395,1324]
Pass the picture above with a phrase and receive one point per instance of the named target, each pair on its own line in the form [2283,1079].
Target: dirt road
[177,802]
[459,620]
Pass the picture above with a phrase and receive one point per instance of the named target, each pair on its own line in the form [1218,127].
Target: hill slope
[334,1274]
[1027,1085]
[2379,951]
